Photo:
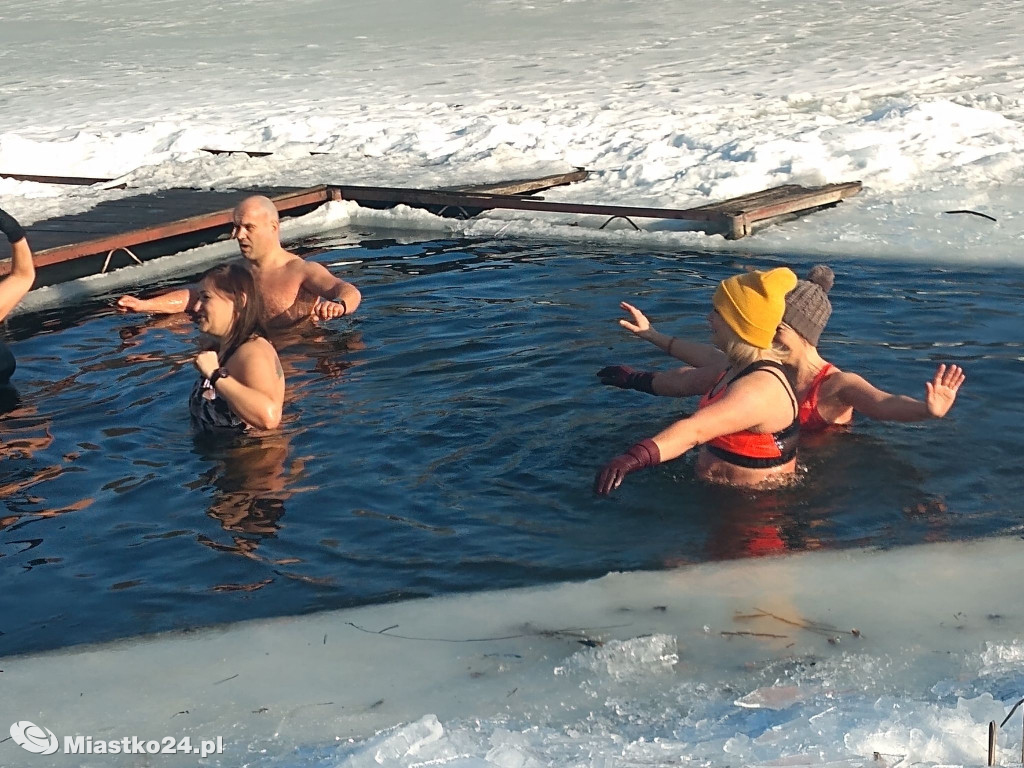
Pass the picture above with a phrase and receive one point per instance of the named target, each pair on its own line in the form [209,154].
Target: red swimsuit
[754,450]
[810,419]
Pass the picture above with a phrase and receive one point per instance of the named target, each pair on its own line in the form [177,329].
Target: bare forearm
[691,353]
[349,294]
[685,382]
[167,303]
[896,408]
[21,261]
[675,440]
[14,287]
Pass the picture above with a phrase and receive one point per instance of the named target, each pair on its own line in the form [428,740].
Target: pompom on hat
[808,307]
[752,304]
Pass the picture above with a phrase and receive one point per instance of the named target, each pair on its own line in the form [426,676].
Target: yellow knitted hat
[752,304]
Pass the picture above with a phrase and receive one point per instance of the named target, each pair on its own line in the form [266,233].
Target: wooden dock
[733,218]
[117,233]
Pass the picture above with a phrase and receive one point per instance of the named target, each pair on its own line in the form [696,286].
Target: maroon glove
[624,377]
[10,227]
[643,454]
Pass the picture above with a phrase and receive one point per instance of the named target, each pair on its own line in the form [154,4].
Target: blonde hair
[742,353]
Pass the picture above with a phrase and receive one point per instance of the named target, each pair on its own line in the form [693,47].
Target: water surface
[446,438]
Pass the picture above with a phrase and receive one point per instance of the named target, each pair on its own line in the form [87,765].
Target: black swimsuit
[7,364]
[211,413]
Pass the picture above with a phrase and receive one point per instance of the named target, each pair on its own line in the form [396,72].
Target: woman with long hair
[828,396]
[746,423]
[242,383]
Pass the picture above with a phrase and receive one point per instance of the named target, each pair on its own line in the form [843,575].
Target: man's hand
[207,362]
[328,310]
[130,304]
[940,392]
[639,323]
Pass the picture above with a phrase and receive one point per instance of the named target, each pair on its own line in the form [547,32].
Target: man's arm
[178,300]
[23,271]
[343,298]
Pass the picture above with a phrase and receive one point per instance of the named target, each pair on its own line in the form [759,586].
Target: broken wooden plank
[524,186]
[760,208]
[733,218]
[42,179]
[385,197]
[249,152]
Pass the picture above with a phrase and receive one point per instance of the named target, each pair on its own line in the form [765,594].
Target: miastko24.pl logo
[40,740]
[34,738]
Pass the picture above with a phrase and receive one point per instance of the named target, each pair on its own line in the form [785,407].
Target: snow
[669,103]
[811,659]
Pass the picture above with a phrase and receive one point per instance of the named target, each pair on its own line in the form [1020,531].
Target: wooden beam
[249,152]
[524,186]
[429,197]
[770,204]
[734,218]
[75,180]
[64,253]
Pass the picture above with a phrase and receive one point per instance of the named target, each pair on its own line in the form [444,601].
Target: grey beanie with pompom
[807,306]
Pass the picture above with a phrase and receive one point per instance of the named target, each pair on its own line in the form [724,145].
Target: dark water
[446,440]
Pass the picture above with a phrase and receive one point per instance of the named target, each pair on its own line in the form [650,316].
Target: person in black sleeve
[17,283]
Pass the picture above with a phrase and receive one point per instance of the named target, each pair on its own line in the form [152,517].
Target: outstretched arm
[178,300]
[23,271]
[679,382]
[691,353]
[940,394]
[337,298]
[739,409]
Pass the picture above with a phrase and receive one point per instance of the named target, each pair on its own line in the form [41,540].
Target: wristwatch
[220,373]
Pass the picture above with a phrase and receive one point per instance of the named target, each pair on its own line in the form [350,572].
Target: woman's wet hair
[236,282]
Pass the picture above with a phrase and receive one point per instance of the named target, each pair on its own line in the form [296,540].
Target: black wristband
[10,227]
[343,306]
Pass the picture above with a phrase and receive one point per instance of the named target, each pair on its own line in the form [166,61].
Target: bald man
[292,288]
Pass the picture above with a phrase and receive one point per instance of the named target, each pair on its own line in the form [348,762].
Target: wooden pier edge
[51,256]
[763,208]
[734,218]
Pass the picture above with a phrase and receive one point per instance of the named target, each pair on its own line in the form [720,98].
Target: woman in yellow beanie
[827,395]
[746,424]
